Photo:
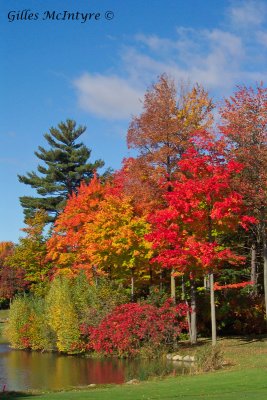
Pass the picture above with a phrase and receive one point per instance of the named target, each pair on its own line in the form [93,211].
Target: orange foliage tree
[66,246]
[99,232]
[114,241]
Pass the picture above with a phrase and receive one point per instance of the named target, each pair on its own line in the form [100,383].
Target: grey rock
[132,382]
[177,358]
[189,358]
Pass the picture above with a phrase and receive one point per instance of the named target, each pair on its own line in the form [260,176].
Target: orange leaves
[232,285]
[6,249]
[98,230]
[65,247]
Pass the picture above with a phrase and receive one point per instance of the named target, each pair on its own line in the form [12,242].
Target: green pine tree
[66,165]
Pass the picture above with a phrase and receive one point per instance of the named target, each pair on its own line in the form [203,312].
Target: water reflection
[20,370]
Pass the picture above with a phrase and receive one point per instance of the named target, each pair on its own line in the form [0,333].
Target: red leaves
[200,207]
[130,326]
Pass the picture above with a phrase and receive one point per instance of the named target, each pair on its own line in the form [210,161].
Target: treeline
[185,217]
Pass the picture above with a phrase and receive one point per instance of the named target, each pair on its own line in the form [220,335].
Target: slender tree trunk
[193,316]
[253,272]
[206,282]
[188,312]
[132,287]
[213,313]
[212,299]
[173,291]
[183,289]
[264,263]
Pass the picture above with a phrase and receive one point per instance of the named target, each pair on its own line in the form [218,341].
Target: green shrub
[27,327]
[62,316]
[40,334]
[102,298]
[157,297]
[16,328]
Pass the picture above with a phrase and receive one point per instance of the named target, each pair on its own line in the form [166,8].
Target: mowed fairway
[245,378]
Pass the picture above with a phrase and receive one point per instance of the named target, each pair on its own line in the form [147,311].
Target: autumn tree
[6,248]
[30,254]
[11,280]
[115,240]
[161,134]
[167,124]
[99,232]
[66,246]
[202,206]
[244,128]
[65,167]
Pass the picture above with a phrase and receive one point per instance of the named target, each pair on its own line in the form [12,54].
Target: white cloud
[218,58]
[250,13]
[210,57]
[108,96]
[155,43]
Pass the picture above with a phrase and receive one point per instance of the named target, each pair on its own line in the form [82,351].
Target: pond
[23,370]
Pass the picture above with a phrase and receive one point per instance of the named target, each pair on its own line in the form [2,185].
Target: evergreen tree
[66,166]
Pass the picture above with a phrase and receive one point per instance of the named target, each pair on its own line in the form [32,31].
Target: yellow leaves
[177,274]
[196,109]
[116,236]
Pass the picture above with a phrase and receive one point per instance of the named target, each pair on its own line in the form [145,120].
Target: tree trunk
[188,312]
[253,268]
[132,287]
[253,272]
[193,316]
[264,264]
[173,292]
[213,313]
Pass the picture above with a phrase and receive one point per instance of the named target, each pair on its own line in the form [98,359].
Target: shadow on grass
[15,395]
[247,339]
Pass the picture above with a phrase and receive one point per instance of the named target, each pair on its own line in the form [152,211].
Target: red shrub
[130,326]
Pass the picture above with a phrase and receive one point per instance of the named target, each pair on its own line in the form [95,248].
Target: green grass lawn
[245,377]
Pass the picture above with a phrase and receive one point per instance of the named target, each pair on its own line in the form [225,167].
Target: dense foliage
[75,317]
[132,327]
[184,219]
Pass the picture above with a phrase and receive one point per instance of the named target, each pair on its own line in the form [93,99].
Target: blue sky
[97,71]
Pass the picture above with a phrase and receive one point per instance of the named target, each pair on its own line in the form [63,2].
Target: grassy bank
[243,378]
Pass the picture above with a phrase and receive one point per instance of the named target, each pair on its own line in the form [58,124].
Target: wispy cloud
[219,58]
[108,96]
[249,13]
